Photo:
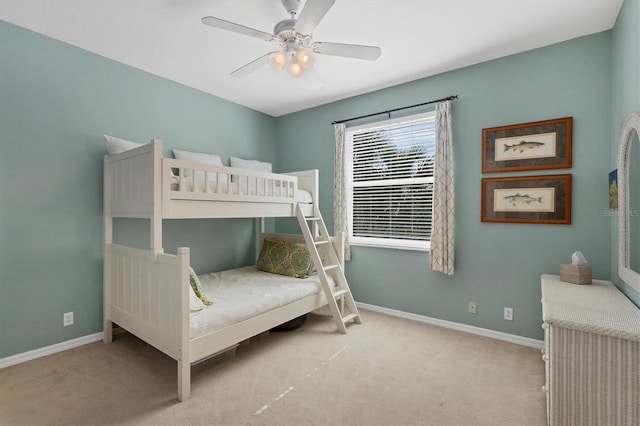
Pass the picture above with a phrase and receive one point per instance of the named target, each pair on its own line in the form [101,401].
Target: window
[390,182]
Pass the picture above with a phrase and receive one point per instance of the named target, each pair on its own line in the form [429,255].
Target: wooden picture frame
[527,199]
[528,146]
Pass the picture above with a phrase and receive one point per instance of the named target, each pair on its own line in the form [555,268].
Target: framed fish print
[527,199]
[527,146]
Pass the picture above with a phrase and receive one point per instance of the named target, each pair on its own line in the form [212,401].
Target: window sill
[414,247]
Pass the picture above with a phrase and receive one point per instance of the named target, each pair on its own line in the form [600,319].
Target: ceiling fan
[294,35]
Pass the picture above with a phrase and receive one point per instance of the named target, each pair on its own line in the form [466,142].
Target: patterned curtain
[443,226]
[340,220]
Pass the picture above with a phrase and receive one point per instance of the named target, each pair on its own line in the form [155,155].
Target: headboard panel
[129,181]
[308,180]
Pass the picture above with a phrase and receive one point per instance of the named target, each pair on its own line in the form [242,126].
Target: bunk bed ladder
[340,300]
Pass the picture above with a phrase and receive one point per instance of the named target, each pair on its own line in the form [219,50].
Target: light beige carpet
[386,371]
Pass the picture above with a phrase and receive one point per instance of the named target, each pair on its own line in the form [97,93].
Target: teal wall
[56,102]
[626,99]
[497,264]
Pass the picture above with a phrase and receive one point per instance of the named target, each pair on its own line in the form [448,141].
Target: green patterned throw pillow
[197,287]
[285,258]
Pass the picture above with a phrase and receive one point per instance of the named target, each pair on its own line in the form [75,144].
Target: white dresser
[591,354]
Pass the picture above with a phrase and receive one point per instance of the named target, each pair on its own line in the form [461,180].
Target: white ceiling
[418,38]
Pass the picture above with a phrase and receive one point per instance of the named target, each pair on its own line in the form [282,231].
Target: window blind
[391,188]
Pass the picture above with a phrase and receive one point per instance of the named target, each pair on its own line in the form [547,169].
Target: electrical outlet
[508,314]
[67,319]
[472,307]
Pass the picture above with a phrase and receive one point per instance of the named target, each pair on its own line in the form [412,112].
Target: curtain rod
[448,98]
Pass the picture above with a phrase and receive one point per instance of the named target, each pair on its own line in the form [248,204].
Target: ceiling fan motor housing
[284,29]
[286,35]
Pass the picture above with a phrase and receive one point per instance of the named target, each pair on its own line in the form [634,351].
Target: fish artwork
[518,198]
[524,145]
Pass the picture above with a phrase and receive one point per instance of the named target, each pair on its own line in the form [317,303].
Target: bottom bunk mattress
[241,293]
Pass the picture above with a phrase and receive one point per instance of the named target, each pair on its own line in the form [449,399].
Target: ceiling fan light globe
[295,69]
[305,58]
[278,59]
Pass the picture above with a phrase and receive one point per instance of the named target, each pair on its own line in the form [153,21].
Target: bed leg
[184,380]
[107,336]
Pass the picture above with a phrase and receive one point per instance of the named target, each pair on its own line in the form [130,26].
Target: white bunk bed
[146,292]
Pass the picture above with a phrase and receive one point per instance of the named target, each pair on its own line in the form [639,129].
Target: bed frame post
[184,353]
[156,215]
[107,325]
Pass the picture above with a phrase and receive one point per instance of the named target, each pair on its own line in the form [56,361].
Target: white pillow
[198,157]
[261,166]
[117,145]
[195,303]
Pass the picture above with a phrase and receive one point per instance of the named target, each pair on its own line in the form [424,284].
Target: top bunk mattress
[242,293]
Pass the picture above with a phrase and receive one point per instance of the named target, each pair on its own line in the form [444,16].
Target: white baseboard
[48,350]
[511,338]
[74,343]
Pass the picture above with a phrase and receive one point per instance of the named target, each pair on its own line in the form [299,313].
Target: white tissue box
[577,274]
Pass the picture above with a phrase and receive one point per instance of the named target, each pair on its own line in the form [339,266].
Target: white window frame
[403,244]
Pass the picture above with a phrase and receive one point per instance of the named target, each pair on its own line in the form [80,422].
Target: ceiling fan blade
[370,53]
[311,15]
[236,28]
[251,66]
